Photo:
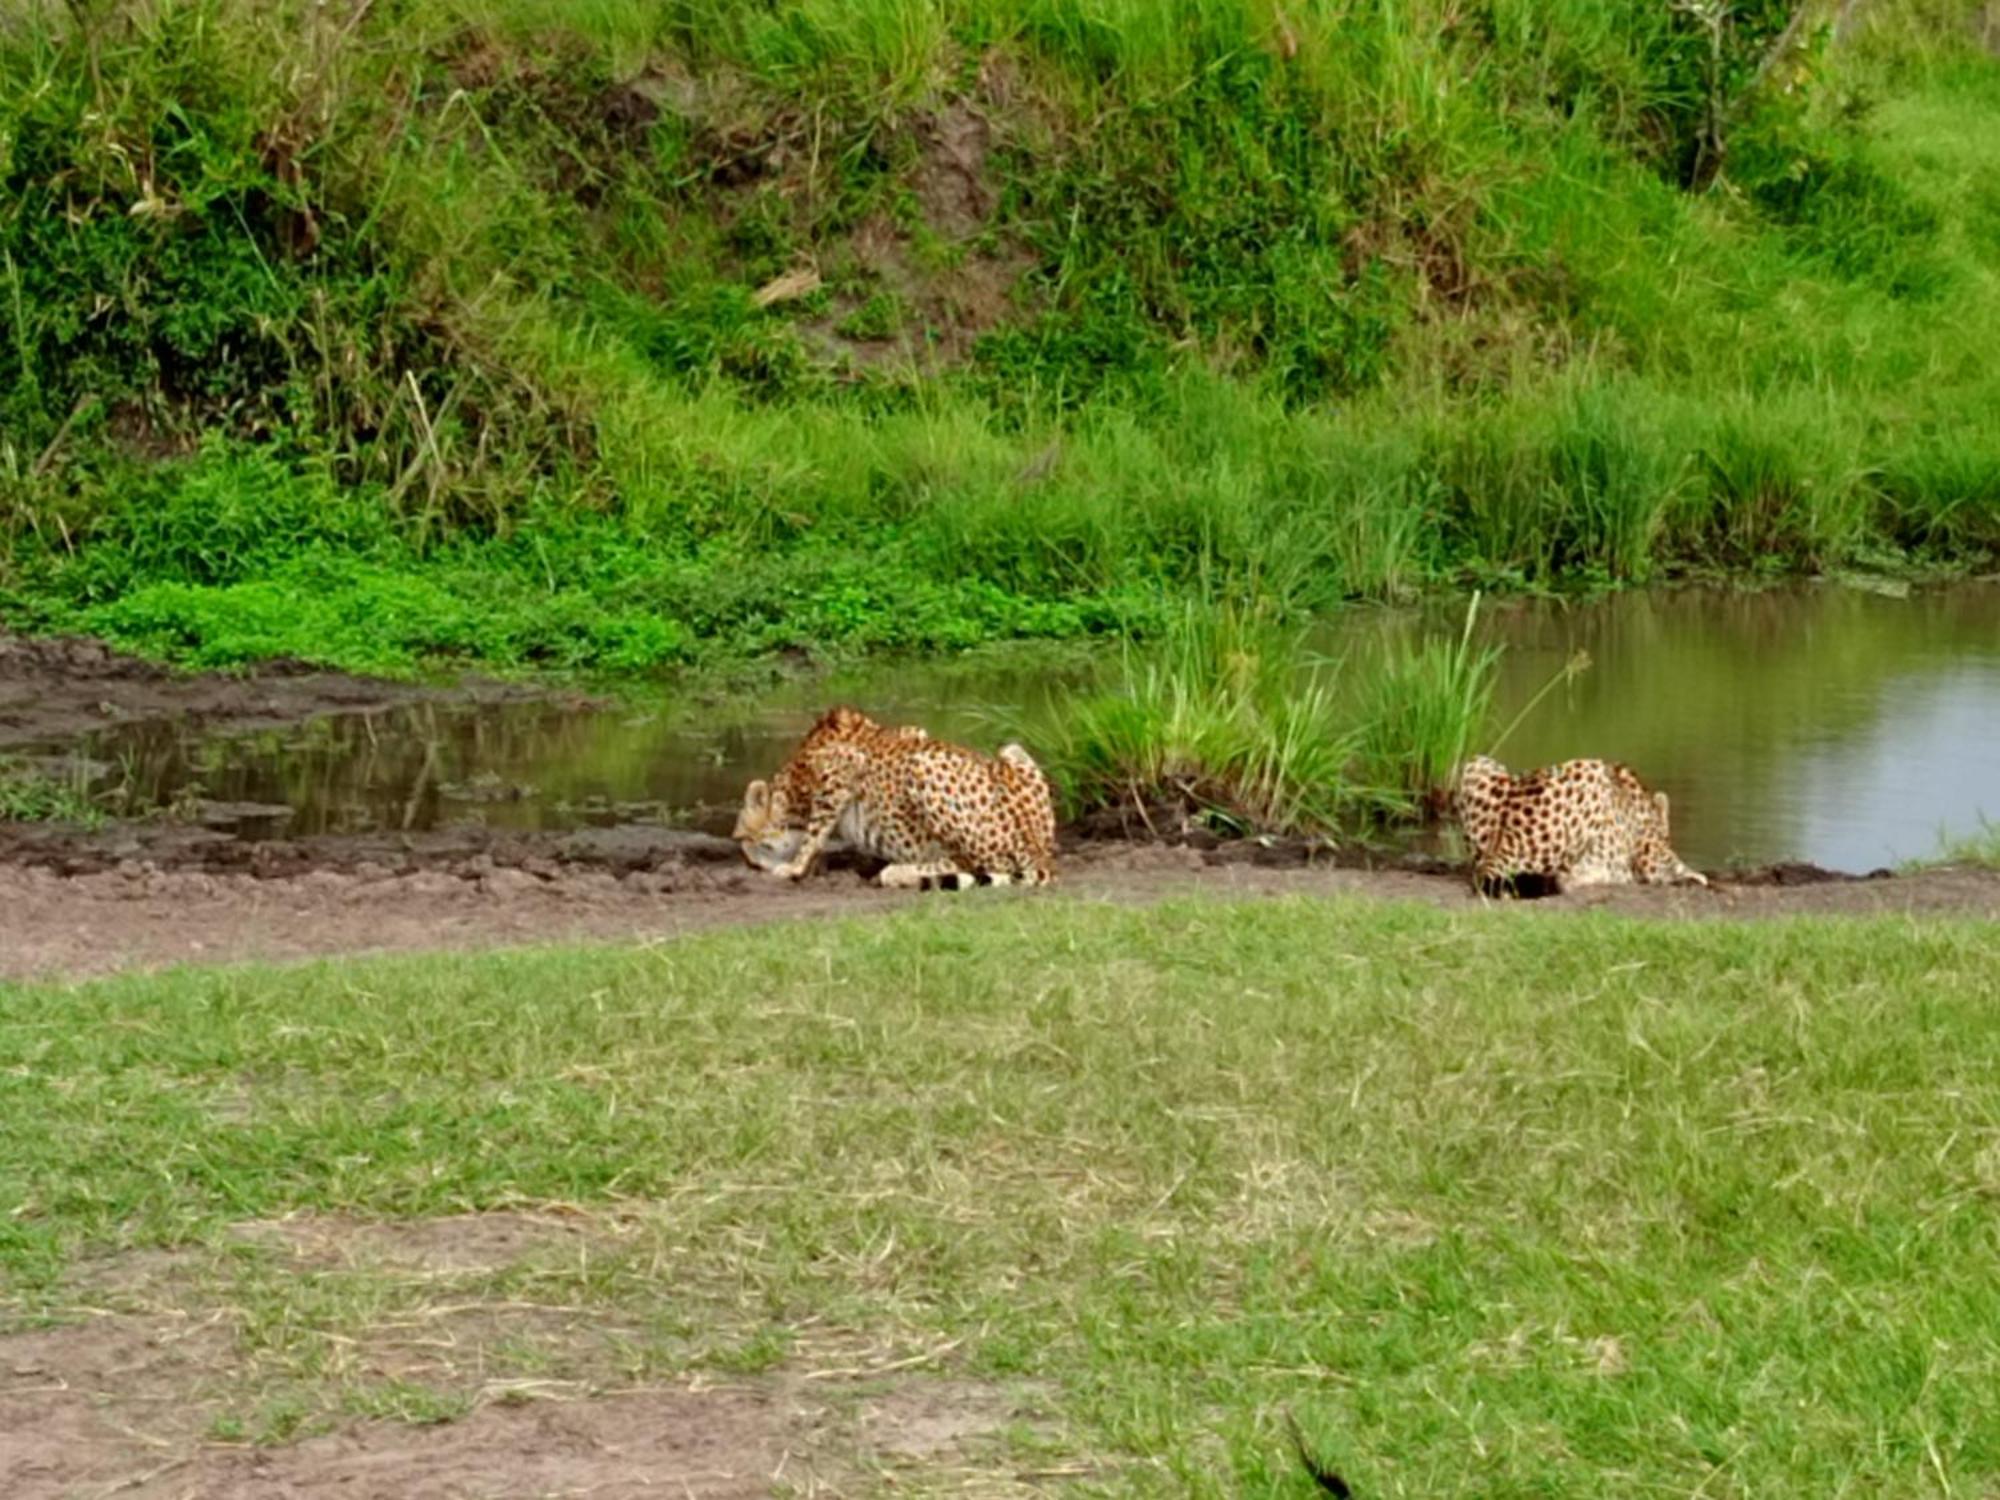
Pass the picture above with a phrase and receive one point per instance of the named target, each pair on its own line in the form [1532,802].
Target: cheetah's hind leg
[940,876]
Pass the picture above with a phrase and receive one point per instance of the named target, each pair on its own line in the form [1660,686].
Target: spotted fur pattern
[1580,823]
[769,840]
[941,815]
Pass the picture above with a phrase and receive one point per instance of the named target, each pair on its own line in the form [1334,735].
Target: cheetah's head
[1653,859]
[760,828]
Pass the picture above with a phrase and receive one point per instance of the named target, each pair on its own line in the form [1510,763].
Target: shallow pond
[1828,724]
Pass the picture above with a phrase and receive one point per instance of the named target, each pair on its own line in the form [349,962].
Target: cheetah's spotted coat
[940,814]
[1583,822]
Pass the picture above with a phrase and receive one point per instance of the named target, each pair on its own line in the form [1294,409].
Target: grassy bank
[1686,1208]
[626,336]
[1980,850]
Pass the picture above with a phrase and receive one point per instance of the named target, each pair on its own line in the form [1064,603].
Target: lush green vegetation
[1217,722]
[1496,1209]
[624,335]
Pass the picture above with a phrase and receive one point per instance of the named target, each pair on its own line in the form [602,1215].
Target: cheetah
[942,815]
[767,845]
[1580,823]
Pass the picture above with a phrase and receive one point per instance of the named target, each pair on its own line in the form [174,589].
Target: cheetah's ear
[1660,807]
[756,809]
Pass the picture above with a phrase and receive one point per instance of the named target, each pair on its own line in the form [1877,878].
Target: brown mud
[59,688]
[649,884]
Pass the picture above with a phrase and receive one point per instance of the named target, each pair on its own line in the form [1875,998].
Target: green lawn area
[1499,1204]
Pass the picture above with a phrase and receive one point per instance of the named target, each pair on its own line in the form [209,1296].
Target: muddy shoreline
[142,893]
[158,846]
[58,689]
[61,687]
[138,915]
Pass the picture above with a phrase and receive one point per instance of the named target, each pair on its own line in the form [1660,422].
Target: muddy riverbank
[62,688]
[139,915]
[230,880]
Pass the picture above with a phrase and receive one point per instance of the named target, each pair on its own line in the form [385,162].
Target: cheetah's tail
[965,880]
[1324,1477]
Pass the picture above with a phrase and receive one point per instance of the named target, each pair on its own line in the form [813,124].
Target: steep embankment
[628,335]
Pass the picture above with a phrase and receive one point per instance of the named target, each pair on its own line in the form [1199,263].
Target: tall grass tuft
[32,795]
[1979,849]
[1217,723]
[1231,720]
[1424,705]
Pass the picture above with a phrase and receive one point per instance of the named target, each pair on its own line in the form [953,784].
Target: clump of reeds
[1230,720]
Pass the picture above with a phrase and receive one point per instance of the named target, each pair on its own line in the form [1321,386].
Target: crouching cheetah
[1584,822]
[943,816]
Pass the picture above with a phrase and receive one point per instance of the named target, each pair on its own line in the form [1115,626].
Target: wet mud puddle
[1829,725]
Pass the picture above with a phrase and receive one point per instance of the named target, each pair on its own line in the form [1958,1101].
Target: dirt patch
[452,1245]
[63,1441]
[938,306]
[919,1419]
[131,1398]
[940,311]
[717,1443]
[144,916]
[87,1406]
[951,180]
[58,689]
[749,1440]
[428,1318]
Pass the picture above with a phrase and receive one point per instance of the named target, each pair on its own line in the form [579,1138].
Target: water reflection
[527,765]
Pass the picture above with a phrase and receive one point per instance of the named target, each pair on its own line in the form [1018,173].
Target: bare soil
[71,1426]
[647,884]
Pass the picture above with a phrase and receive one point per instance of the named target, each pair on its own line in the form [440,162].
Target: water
[1824,724]
[528,765]
[1827,724]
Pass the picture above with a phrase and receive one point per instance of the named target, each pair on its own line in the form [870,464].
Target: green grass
[442,340]
[1980,850]
[1499,1203]
[1424,706]
[29,794]
[1229,719]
